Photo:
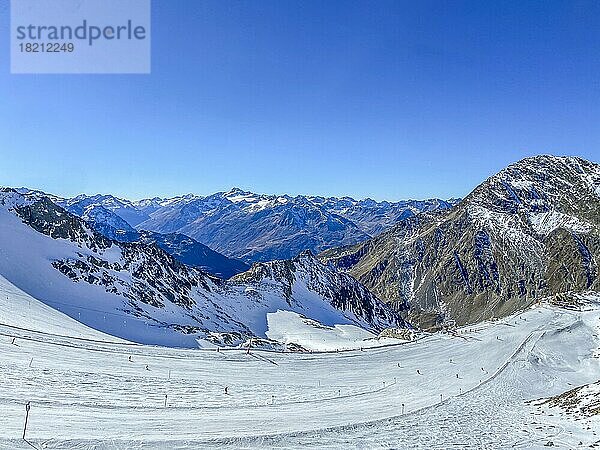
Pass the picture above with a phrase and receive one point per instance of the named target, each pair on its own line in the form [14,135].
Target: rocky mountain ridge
[530,231]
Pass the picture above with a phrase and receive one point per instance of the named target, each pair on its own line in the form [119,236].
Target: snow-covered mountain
[131,212]
[530,231]
[183,248]
[106,222]
[375,217]
[255,227]
[139,292]
[304,275]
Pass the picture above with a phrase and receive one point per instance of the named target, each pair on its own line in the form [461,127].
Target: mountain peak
[237,191]
[527,232]
[546,164]
[539,184]
[548,158]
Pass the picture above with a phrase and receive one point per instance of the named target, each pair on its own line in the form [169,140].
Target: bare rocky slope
[530,231]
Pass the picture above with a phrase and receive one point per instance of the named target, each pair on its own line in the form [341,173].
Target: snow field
[90,391]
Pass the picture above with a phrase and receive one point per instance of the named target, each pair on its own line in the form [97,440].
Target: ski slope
[20,310]
[469,390]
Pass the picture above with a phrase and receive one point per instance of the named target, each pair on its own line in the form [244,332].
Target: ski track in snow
[85,393]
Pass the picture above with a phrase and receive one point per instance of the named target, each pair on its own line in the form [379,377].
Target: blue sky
[381,99]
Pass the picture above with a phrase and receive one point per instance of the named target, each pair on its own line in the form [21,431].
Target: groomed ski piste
[480,387]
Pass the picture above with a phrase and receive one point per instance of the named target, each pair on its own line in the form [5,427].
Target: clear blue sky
[385,99]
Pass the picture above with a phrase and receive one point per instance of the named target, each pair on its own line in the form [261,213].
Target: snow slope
[293,328]
[140,293]
[19,310]
[467,390]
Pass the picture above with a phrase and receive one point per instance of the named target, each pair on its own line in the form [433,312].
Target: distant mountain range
[530,231]
[137,291]
[251,227]
[183,248]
